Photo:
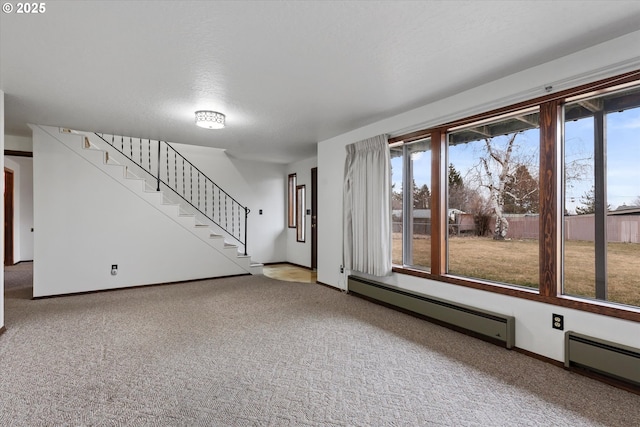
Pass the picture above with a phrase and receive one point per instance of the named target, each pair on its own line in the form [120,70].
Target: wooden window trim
[594,87]
[551,128]
[591,306]
[300,210]
[438,203]
[291,200]
[550,205]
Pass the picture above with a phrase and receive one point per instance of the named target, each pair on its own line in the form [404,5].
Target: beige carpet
[18,276]
[253,351]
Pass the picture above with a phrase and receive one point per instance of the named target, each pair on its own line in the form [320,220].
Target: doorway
[8,217]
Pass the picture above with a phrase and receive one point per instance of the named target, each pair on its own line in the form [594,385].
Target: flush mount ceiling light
[209,119]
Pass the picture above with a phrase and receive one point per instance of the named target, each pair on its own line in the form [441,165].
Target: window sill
[598,307]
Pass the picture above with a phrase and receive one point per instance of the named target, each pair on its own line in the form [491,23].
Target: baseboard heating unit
[492,325]
[603,357]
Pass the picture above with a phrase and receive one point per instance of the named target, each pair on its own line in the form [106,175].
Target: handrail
[171,168]
[196,168]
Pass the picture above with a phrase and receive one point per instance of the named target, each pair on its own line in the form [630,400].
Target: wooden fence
[620,228]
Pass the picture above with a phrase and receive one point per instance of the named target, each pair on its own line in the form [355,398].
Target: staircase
[178,189]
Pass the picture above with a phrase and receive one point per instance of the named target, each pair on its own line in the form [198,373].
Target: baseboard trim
[138,286]
[605,379]
[300,266]
[539,357]
[581,371]
[288,263]
[329,286]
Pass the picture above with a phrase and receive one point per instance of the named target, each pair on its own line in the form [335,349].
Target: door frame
[314,218]
[8,216]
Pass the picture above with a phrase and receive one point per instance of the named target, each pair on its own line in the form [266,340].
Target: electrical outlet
[114,269]
[558,322]
[341,269]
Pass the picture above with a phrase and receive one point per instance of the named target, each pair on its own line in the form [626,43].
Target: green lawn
[516,262]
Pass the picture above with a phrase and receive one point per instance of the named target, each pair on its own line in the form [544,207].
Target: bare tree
[578,163]
[481,214]
[500,174]
[492,173]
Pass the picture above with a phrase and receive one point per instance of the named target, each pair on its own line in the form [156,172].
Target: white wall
[257,185]
[533,319]
[86,220]
[22,168]
[18,143]
[300,252]
[2,210]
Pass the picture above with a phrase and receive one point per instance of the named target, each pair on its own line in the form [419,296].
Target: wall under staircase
[88,216]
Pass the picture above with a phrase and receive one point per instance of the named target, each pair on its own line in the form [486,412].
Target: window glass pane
[291,216]
[418,201]
[396,204]
[602,197]
[411,203]
[493,200]
[300,213]
[579,250]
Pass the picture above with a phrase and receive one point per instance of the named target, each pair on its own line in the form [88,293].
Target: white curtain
[367,208]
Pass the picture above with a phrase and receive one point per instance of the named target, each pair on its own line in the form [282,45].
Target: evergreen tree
[458,194]
[421,197]
[521,192]
[588,201]
[455,180]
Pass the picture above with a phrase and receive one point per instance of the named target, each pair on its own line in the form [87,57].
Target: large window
[602,197]
[493,199]
[539,200]
[411,203]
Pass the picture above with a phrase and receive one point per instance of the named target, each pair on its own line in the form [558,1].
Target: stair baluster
[232,226]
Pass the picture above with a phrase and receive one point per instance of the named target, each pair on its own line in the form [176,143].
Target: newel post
[246,216]
[158,177]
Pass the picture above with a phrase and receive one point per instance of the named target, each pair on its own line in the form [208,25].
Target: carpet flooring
[253,351]
[19,276]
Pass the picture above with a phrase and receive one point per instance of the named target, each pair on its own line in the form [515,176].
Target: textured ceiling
[286,74]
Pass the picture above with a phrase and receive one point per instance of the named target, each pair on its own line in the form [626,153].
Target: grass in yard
[516,262]
[505,261]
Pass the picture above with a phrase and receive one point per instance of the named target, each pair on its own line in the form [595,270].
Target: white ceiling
[286,74]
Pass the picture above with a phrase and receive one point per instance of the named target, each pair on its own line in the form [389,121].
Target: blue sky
[623,158]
